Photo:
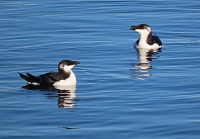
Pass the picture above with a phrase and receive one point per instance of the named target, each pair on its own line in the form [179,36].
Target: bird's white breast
[143,44]
[69,81]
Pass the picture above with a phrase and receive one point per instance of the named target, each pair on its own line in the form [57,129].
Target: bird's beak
[133,27]
[76,62]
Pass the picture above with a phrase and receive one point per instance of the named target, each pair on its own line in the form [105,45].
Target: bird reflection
[66,97]
[143,67]
[66,94]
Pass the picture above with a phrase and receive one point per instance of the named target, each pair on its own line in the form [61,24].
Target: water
[115,96]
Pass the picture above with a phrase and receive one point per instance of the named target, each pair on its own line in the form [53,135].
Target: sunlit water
[119,93]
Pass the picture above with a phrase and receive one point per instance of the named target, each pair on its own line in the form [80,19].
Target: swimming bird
[146,40]
[63,77]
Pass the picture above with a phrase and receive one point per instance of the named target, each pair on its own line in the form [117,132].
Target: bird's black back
[157,40]
[52,77]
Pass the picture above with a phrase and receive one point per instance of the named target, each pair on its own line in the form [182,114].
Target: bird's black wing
[156,39]
[52,77]
[30,78]
[136,43]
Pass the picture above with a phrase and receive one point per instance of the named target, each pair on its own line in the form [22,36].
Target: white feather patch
[69,81]
[34,83]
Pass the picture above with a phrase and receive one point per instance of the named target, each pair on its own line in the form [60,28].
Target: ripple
[120,93]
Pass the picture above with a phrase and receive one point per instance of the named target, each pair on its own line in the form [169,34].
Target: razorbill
[146,40]
[63,77]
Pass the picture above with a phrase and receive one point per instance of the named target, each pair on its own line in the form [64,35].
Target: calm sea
[118,95]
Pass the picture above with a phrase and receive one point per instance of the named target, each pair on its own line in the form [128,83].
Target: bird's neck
[66,73]
[146,38]
[72,79]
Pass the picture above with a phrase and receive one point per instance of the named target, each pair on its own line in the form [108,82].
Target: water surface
[113,98]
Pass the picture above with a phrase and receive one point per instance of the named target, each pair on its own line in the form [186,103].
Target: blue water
[116,96]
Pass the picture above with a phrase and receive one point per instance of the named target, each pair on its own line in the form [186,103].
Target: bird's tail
[31,79]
